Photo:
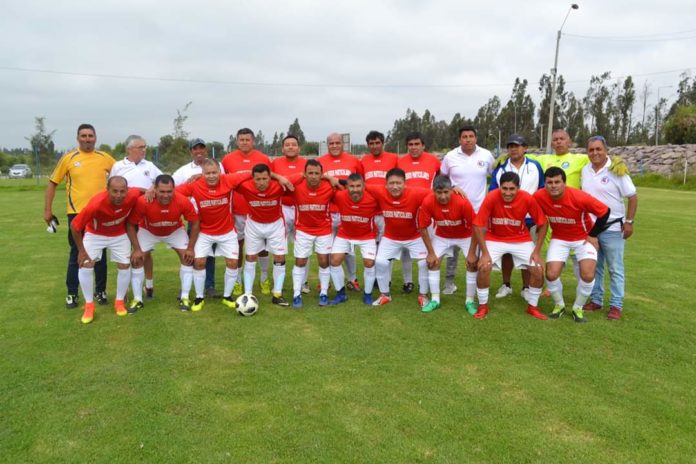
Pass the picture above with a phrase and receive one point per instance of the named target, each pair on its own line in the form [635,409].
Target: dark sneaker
[135,306]
[101,298]
[339,298]
[408,287]
[297,302]
[71,301]
[280,301]
[353,286]
[592,306]
[367,298]
[210,292]
[557,312]
[184,304]
[614,313]
[149,293]
[578,316]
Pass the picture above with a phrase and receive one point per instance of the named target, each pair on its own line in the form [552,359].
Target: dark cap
[195,142]
[516,139]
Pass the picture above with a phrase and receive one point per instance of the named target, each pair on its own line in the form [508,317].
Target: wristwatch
[628,221]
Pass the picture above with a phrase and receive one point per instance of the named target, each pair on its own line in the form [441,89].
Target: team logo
[605,180]
[77,164]
[481,164]
[565,165]
[147,173]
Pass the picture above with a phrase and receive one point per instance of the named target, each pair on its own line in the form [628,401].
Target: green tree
[599,106]
[296,130]
[119,150]
[680,128]
[310,148]
[686,93]
[486,123]
[179,120]
[41,142]
[105,147]
[623,111]
[216,150]
[559,116]
[517,116]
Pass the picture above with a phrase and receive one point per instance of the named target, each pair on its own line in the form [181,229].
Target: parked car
[20,171]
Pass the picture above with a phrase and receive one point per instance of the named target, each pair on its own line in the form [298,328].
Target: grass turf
[348,383]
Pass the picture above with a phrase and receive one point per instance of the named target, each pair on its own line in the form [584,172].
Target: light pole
[554,72]
[657,114]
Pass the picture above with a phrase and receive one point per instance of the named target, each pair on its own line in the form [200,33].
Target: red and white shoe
[422,300]
[382,300]
[482,311]
[534,311]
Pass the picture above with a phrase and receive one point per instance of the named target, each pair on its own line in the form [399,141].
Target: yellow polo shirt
[571,163]
[85,175]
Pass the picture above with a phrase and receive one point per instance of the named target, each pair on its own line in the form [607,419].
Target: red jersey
[505,222]
[569,216]
[420,171]
[357,219]
[376,167]
[103,218]
[453,220]
[162,220]
[287,168]
[264,207]
[238,162]
[400,214]
[340,167]
[312,207]
[214,205]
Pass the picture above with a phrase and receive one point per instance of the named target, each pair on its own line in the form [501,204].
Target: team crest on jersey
[565,165]
[605,180]
[481,164]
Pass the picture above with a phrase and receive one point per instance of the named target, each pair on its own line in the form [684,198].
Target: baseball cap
[195,142]
[516,139]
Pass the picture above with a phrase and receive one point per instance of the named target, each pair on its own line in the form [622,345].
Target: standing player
[159,221]
[375,166]
[453,217]
[85,171]
[611,188]
[568,210]
[571,163]
[500,229]
[103,221]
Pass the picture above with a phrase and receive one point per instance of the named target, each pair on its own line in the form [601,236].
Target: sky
[127,66]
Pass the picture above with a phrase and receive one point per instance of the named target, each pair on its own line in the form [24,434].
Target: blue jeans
[611,250]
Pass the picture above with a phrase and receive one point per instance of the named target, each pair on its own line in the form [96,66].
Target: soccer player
[140,173]
[357,209]
[399,205]
[531,179]
[611,188]
[571,163]
[103,221]
[159,221]
[468,166]
[339,164]
[453,218]
[500,229]
[242,160]
[568,210]
[375,165]
[85,171]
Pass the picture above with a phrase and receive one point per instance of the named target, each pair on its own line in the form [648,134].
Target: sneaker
[614,313]
[149,293]
[210,292]
[503,291]
[592,306]
[71,301]
[237,290]
[449,289]
[229,302]
[198,304]
[367,298]
[297,301]
[305,288]
[431,306]
[557,312]
[266,287]
[120,308]
[101,298]
[184,304]
[382,300]
[135,306]
[422,300]
[88,315]
[534,311]
[407,287]
[353,286]
[340,297]
[471,307]
[578,316]
[279,300]
[482,311]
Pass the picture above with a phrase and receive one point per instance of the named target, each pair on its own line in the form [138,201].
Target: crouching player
[103,221]
[500,228]
[452,216]
[159,221]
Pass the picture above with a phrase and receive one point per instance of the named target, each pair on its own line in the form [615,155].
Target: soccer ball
[247,305]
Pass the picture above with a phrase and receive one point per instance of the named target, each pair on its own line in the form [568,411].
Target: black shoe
[135,306]
[408,287]
[101,298]
[71,301]
[210,292]
[280,301]
[149,293]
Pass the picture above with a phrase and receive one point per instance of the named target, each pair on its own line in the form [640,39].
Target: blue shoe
[297,301]
[340,297]
[367,298]
[323,300]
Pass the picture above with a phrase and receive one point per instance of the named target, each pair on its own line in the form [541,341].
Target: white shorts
[446,246]
[391,249]
[178,239]
[119,247]
[560,249]
[379,223]
[227,245]
[265,236]
[289,214]
[239,225]
[304,243]
[521,253]
[368,248]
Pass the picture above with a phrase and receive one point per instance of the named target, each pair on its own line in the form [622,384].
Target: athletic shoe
[101,298]
[237,290]
[88,315]
[305,288]
[592,306]
[503,291]
[431,306]
[557,312]
[149,293]
[382,300]
[266,287]
[449,289]
[471,307]
[422,300]
[184,304]
[297,301]
[71,301]
[324,300]
[614,313]
[482,311]
[525,294]
[578,316]
[120,308]
[367,298]
[198,304]
[407,287]
[210,292]
[340,297]
[354,286]
[279,300]
[135,306]
[534,311]
[229,302]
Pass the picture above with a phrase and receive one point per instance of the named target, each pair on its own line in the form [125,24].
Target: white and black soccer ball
[247,305]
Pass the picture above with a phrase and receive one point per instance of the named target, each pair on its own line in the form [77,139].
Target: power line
[633,38]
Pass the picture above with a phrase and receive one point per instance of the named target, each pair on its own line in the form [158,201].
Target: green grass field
[352,383]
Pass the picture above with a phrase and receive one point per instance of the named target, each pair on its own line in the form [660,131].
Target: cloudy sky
[127,66]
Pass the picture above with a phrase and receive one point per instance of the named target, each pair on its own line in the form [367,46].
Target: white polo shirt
[185,172]
[469,172]
[141,175]
[608,188]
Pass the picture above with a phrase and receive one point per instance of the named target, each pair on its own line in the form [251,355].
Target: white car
[20,171]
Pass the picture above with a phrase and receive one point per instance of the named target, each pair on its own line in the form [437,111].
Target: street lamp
[657,114]
[554,72]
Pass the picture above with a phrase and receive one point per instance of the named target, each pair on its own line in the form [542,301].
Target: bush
[680,128]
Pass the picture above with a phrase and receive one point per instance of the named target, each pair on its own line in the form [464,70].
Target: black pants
[71,279]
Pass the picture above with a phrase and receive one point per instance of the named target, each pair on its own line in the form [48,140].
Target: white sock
[423,287]
[582,292]
[383,275]
[149,283]
[482,294]
[137,276]
[470,285]
[278,278]
[434,282]
[249,274]
[324,277]
[351,267]
[86,278]
[337,277]
[122,281]
[407,265]
[263,264]
[369,278]
[298,275]
[556,289]
[186,277]
[230,279]
[199,282]
[533,294]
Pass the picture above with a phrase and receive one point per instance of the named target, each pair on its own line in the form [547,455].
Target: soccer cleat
[324,300]
[367,298]
[557,312]
[578,316]
[592,306]
[407,287]
[88,314]
[422,300]
[614,313]
[149,293]
[229,302]
[338,299]
[101,298]
[279,300]
[237,290]
[471,307]
[382,300]
[482,311]
[198,304]
[449,289]
[305,288]
[135,306]
[210,292]
[503,291]
[184,304]
[297,301]
[120,308]
[534,311]
[354,285]
[266,287]
[431,306]
[71,301]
